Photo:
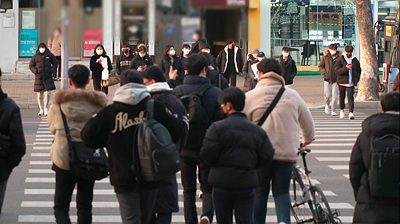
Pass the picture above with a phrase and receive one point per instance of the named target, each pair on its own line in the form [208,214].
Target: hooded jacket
[78,105]
[369,209]
[11,126]
[343,73]
[222,59]
[114,126]
[327,66]
[288,116]
[43,66]
[289,69]
[137,60]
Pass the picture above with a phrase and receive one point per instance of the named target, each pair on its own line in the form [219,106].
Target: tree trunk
[368,85]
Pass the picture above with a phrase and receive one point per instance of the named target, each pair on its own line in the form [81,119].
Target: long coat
[43,66]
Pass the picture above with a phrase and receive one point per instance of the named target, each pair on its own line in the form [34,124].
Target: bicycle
[309,204]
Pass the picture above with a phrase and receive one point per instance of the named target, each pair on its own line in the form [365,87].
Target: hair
[42,45]
[195,64]
[233,95]
[79,75]
[269,65]
[333,46]
[229,41]
[142,48]
[198,32]
[125,44]
[166,50]
[99,45]
[186,46]
[131,76]
[390,101]
[285,49]
[349,48]
[0,71]
[154,73]
[204,45]
[209,58]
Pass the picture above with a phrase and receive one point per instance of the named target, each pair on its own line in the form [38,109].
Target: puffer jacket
[370,209]
[235,148]
[78,106]
[43,66]
[327,66]
[283,124]
[289,69]
[10,126]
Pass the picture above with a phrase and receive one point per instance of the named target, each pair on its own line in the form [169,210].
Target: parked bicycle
[309,204]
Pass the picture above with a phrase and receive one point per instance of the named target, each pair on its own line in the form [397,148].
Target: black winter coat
[289,69]
[176,65]
[43,66]
[222,59]
[217,79]
[369,209]
[235,148]
[327,66]
[342,72]
[249,83]
[123,62]
[10,126]
[97,68]
[137,60]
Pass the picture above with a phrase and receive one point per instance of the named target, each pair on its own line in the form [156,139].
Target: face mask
[172,52]
[126,51]
[42,50]
[285,55]
[349,55]
[260,59]
[186,51]
[99,52]
[333,52]
[207,51]
[142,55]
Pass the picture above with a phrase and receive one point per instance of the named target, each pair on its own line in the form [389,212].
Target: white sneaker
[333,113]
[341,114]
[40,113]
[351,116]
[46,111]
[327,109]
[204,220]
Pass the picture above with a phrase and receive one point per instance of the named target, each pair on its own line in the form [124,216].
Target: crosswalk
[332,148]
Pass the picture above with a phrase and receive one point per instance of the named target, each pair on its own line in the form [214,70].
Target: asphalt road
[30,189]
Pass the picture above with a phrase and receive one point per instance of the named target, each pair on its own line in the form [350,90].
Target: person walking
[216,78]
[371,209]
[233,164]
[230,62]
[141,58]
[12,140]
[289,69]
[250,81]
[100,65]
[55,44]
[197,82]
[124,60]
[78,105]
[167,196]
[327,68]
[43,64]
[348,73]
[184,54]
[172,66]
[113,127]
[282,126]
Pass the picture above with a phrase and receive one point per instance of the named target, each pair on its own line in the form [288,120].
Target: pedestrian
[396,83]
[289,69]
[184,54]
[172,66]
[216,78]
[124,60]
[141,56]
[196,82]
[282,126]
[348,73]
[250,78]
[369,208]
[167,196]
[113,127]
[327,68]
[43,64]
[230,62]
[55,44]
[206,48]
[12,140]
[100,65]
[78,105]
[234,164]
[198,40]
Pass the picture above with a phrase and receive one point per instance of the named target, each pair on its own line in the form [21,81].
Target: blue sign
[28,42]
[170,30]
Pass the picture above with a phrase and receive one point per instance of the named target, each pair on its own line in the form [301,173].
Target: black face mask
[126,51]
[349,55]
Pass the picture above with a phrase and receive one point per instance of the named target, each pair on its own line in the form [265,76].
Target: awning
[220,3]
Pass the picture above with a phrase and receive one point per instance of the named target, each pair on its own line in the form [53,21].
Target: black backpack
[198,118]
[384,166]
[157,154]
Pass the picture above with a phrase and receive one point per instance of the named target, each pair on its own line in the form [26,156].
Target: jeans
[280,173]
[45,99]
[350,97]
[241,201]
[3,186]
[97,86]
[65,184]
[188,175]
[231,78]
[331,91]
[136,207]
[162,218]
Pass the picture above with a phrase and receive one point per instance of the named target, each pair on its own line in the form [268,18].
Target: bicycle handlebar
[302,150]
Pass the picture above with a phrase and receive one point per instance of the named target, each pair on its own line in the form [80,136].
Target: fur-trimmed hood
[338,53]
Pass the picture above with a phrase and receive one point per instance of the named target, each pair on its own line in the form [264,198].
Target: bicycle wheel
[321,206]
[301,202]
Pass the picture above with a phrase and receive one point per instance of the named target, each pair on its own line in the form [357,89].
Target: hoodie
[348,77]
[114,128]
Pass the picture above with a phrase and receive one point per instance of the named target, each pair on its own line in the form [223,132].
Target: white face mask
[186,51]
[142,55]
[172,52]
[261,58]
[285,55]
[99,52]
[42,50]
[333,52]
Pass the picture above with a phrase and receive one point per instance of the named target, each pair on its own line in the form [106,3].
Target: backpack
[384,166]
[198,118]
[157,154]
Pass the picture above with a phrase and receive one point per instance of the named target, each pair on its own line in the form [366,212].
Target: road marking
[40,171]
[339,167]
[40,163]
[51,191]
[42,143]
[347,176]
[44,136]
[51,219]
[50,204]
[53,179]
[40,154]
[41,148]
[337,132]
[353,135]
[332,144]
[44,139]
[334,151]
[335,140]
[44,132]
[334,128]
[44,129]
[333,159]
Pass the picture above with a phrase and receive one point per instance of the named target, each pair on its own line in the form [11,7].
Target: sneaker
[40,113]
[351,116]
[333,113]
[204,220]
[46,111]
[327,109]
[341,114]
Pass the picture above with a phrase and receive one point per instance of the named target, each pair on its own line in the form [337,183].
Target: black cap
[125,45]
[261,54]
[285,49]
[230,41]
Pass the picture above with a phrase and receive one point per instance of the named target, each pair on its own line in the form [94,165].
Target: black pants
[3,186]
[58,72]
[350,97]
[162,218]
[65,184]
[188,175]
[231,78]
[241,201]
[97,86]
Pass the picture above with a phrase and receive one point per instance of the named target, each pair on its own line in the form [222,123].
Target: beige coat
[283,124]
[54,45]
[78,106]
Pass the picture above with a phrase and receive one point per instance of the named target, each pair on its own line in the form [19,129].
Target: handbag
[272,106]
[84,162]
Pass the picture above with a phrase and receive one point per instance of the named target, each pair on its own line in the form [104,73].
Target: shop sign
[91,38]
[28,42]
[220,3]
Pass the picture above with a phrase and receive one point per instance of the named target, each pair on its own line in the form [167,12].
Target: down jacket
[342,72]
[43,66]
[327,66]
[370,209]
[289,69]
[222,59]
